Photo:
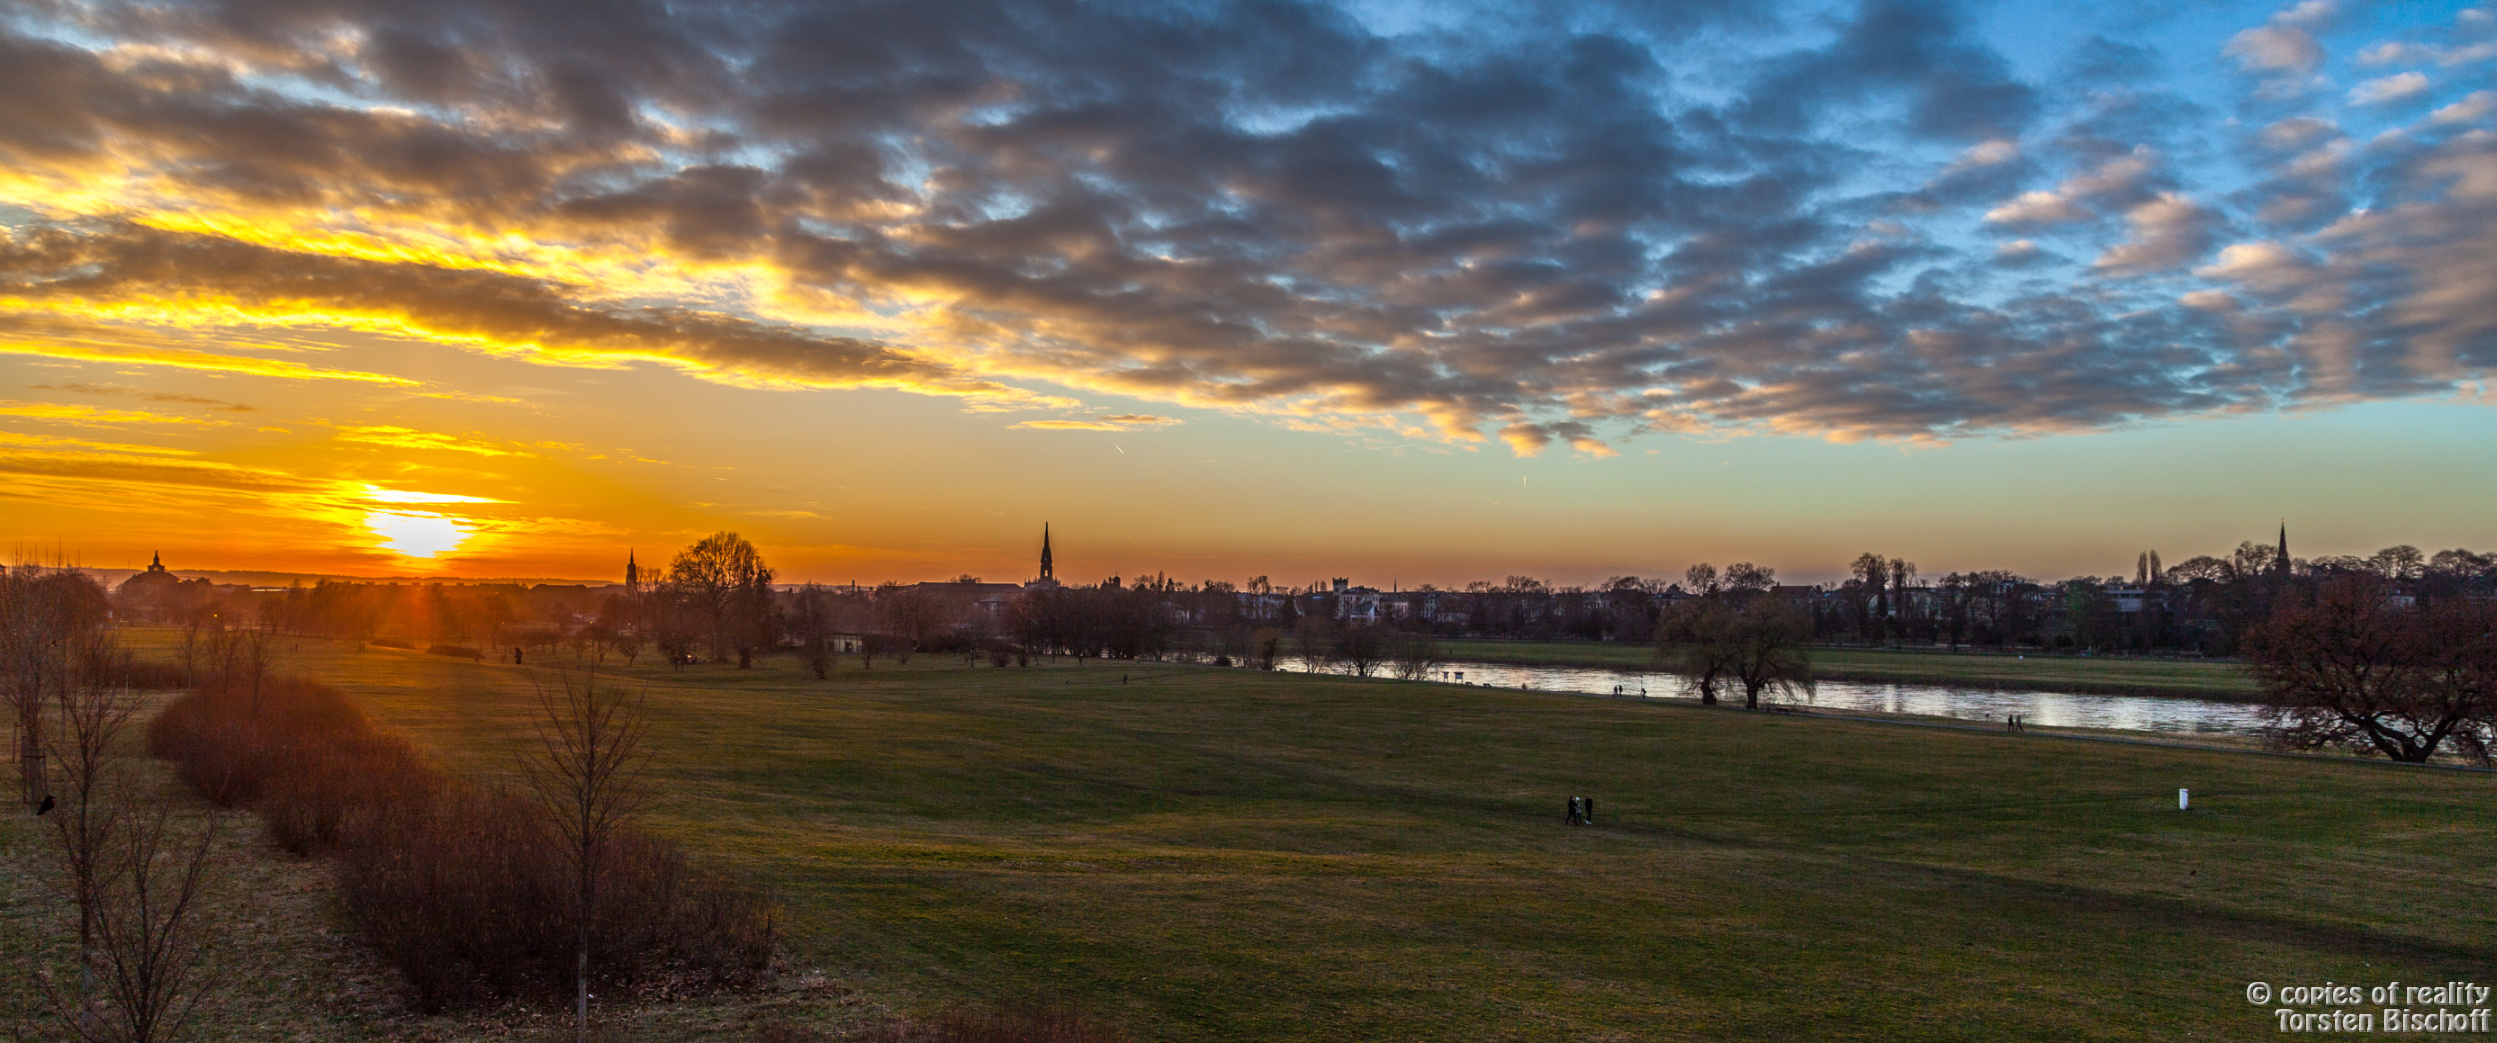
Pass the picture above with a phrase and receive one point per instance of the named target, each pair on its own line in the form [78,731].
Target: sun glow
[416,535]
[378,494]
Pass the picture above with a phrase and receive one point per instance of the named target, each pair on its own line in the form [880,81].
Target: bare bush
[468,893]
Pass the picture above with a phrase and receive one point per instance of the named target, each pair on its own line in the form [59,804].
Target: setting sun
[416,535]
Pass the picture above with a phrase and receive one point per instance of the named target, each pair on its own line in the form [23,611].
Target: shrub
[148,674]
[464,890]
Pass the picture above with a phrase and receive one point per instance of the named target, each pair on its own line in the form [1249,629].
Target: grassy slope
[2207,680]
[1212,854]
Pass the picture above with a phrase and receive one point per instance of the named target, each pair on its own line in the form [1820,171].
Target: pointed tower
[1048,568]
[156,561]
[632,574]
[2280,559]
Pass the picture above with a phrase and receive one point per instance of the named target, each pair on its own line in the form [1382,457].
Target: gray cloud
[1550,234]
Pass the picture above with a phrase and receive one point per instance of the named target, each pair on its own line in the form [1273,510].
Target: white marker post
[2182,798]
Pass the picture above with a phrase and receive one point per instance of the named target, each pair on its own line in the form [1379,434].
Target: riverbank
[2093,675]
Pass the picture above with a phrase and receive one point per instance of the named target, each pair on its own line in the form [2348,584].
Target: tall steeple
[156,561]
[1048,569]
[2280,559]
[632,573]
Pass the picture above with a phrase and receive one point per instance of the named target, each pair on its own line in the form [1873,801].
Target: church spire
[1048,569]
[632,573]
[2280,559]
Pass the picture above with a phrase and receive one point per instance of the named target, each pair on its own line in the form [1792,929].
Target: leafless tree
[150,948]
[726,579]
[812,625]
[1414,657]
[1756,642]
[1692,640]
[1265,646]
[85,820]
[44,615]
[139,879]
[1360,648]
[1743,577]
[1765,649]
[1313,638]
[586,771]
[2356,671]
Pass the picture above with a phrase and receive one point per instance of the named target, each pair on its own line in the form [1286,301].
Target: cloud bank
[1695,217]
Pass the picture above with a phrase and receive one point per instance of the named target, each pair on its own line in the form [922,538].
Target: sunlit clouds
[488,249]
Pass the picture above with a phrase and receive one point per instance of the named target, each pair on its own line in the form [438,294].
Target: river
[2139,713]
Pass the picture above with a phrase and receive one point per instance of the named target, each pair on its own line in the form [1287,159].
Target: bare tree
[1691,639]
[44,613]
[1743,577]
[586,771]
[1414,657]
[150,948]
[1756,642]
[139,881]
[85,822]
[2356,671]
[1313,638]
[1865,593]
[1765,649]
[1265,646]
[728,582]
[1360,648]
[811,624]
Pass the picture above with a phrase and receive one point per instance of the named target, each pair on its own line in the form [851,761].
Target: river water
[2046,709]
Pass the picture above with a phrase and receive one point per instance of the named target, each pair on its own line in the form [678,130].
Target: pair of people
[1581,811]
[2015,722]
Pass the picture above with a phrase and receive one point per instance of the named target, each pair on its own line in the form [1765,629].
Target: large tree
[1691,640]
[1753,640]
[727,581]
[2359,670]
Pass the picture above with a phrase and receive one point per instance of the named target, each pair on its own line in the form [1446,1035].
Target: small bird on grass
[46,806]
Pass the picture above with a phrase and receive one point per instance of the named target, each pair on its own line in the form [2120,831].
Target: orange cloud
[1119,422]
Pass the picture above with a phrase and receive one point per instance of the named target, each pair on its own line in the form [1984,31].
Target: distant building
[153,584]
[1048,566]
[158,594]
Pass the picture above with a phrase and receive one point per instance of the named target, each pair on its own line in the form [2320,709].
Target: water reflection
[2045,709]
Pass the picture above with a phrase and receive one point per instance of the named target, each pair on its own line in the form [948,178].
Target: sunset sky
[1397,291]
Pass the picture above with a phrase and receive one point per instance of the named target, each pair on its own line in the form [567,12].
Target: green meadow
[1211,854]
[2051,673]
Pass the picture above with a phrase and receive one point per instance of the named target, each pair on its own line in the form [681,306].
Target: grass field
[1207,854]
[2046,673]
